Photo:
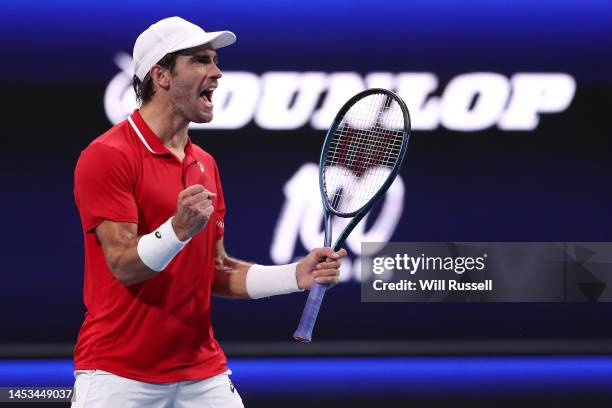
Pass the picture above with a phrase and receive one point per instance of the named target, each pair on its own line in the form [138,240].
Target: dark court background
[511,142]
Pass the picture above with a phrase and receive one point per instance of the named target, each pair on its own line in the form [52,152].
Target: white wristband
[264,281]
[157,249]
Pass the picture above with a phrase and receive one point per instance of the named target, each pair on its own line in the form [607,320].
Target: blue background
[73,41]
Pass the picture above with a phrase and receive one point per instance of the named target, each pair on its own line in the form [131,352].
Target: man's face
[194,79]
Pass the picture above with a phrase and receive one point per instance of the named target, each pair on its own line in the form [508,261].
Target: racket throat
[328,229]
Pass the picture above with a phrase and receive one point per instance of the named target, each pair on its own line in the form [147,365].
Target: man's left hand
[326,272]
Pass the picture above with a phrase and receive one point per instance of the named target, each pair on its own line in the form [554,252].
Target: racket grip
[309,315]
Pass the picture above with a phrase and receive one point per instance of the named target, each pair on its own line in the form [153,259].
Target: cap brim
[216,39]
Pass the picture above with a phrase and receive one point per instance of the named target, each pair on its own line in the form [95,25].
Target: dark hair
[146,88]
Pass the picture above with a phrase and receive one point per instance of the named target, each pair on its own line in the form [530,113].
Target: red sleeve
[104,187]
[220,207]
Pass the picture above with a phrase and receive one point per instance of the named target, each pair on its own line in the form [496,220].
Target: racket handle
[309,315]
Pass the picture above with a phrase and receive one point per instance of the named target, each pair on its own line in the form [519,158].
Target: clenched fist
[193,211]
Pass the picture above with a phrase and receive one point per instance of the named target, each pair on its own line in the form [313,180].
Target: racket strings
[363,151]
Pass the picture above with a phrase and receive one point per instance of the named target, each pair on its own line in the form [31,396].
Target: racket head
[363,151]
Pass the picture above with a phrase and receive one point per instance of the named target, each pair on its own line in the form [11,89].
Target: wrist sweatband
[264,281]
[157,249]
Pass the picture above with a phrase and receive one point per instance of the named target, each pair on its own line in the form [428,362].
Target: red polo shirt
[158,330]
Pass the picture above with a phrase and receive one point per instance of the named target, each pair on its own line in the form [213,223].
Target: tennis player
[152,210]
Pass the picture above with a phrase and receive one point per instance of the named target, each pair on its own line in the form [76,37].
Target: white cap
[169,35]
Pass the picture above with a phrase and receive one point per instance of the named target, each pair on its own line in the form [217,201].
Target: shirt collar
[148,138]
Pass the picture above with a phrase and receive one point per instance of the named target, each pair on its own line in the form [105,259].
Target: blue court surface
[396,378]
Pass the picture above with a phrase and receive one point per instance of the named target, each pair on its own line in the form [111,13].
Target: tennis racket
[361,156]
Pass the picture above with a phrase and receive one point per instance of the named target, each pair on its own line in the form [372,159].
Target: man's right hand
[193,211]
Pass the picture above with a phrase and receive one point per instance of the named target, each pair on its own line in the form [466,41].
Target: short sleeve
[220,207]
[104,187]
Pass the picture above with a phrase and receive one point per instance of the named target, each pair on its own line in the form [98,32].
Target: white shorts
[100,389]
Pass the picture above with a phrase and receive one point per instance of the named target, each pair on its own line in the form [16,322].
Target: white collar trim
[142,139]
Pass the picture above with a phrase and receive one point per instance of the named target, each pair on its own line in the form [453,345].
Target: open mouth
[207,95]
